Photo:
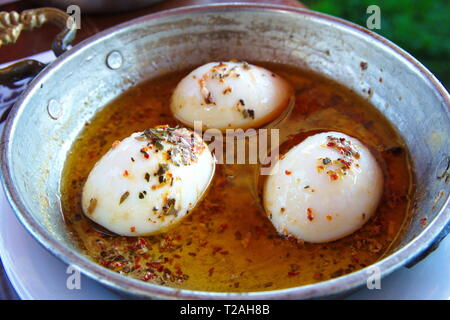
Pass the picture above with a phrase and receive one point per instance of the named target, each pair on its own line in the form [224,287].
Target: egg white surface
[129,194]
[230,95]
[321,205]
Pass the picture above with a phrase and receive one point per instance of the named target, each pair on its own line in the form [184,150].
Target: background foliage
[421,27]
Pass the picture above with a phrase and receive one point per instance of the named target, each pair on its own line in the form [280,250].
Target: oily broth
[227,244]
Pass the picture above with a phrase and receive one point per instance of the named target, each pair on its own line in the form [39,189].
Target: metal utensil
[53,110]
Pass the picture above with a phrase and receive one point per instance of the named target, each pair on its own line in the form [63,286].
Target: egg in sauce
[324,188]
[228,244]
[149,181]
[230,95]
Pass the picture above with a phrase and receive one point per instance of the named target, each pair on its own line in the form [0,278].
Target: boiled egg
[149,181]
[324,188]
[224,95]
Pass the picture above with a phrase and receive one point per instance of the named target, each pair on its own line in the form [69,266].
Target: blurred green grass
[421,27]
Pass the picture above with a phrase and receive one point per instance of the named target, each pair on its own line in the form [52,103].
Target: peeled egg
[324,188]
[149,181]
[225,95]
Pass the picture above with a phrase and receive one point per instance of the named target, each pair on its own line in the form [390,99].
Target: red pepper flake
[329,218]
[126,173]
[423,221]
[346,163]
[210,271]
[363,65]
[137,265]
[288,173]
[208,98]
[310,214]
[333,175]
[179,272]
[293,274]
[133,229]
[216,249]
[140,243]
[144,152]
[155,265]
[148,276]
[105,263]
[227,90]
[178,237]
[167,260]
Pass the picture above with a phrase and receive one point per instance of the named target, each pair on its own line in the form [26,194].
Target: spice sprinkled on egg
[169,173]
[234,95]
[341,186]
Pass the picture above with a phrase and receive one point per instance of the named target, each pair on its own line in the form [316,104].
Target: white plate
[36,274]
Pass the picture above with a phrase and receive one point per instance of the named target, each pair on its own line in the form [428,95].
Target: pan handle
[11,25]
